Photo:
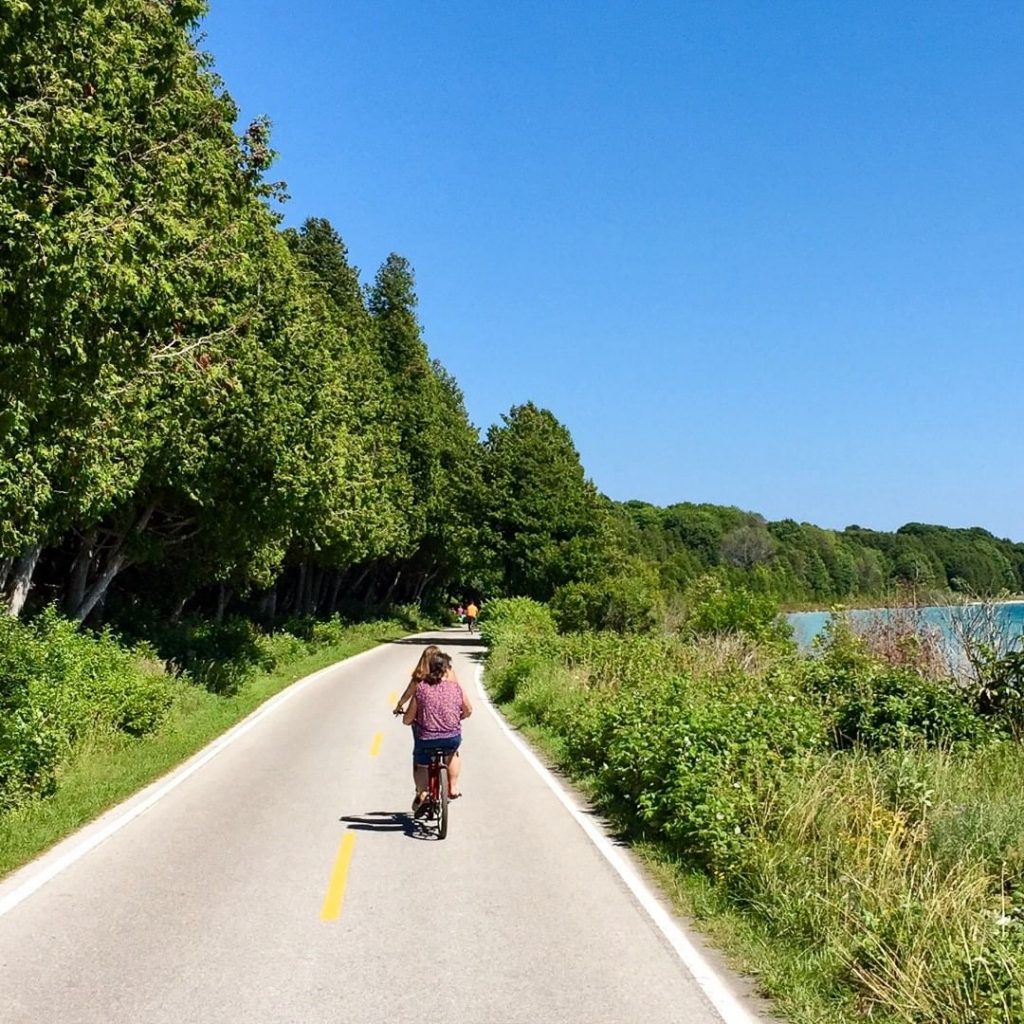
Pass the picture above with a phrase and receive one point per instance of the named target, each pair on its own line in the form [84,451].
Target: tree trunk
[223,596]
[116,561]
[24,569]
[79,576]
[179,609]
[98,590]
[332,605]
[312,588]
[360,578]
[300,590]
[267,604]
[5,569]
[391,589]
[321,594]
[422,585]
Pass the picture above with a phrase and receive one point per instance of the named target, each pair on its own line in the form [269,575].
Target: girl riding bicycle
[438,706]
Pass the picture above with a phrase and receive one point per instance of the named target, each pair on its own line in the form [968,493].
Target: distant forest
[801,562]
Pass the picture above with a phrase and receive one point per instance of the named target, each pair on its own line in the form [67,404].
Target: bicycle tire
[442,800]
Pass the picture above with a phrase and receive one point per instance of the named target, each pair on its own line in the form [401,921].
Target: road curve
[284,882]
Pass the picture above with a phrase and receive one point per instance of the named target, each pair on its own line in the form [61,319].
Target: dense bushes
[862,811]
[57,684]
[875,704]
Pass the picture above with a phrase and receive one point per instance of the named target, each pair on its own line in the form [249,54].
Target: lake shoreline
[1008,613]
[872,605]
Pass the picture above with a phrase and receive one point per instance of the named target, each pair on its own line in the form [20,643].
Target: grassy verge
[109,765]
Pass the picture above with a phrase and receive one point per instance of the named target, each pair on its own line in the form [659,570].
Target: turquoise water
[807,625]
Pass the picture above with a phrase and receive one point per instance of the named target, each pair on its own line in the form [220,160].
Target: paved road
[208,907]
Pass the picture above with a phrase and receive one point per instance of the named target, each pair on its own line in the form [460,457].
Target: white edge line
[724,1001]
[39,875]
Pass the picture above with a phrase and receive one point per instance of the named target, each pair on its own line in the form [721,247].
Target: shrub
[873,703]
[57,684]
[519,625]
[628,602]
[1000,692]
[714,606]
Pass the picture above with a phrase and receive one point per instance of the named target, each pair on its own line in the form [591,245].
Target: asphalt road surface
[285,882]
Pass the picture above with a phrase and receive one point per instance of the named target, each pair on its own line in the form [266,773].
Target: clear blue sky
[769,255]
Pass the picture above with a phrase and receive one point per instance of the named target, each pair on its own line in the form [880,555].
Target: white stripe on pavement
[728,1006]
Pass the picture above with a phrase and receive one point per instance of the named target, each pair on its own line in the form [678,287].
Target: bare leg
[419,777]
[453,762]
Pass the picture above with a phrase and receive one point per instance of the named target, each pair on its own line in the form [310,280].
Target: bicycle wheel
[442,802]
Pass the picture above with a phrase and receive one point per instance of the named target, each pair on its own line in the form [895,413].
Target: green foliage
[627,602]
[802,562]
[59,685]
[1001,692]
[714,606]
[879,705]
[516,624]
[56,685]
[543,520]
[892,864]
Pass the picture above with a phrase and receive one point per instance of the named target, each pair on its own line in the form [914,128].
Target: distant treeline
[801,562]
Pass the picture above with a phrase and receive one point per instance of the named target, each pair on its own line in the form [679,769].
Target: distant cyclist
[436,712]
[471,613]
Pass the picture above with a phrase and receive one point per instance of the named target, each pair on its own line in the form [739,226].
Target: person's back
[438,709]
[471,614]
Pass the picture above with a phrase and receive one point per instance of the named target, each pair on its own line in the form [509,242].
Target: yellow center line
[378,739]
[339,876]
[393,698]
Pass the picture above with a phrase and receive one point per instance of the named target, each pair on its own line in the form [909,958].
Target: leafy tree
[748,546]
[542,516]
[123,191]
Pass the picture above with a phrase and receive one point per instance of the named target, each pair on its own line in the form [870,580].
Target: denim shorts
[422,749]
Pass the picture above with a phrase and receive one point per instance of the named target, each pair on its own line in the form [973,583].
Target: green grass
[796,985]
[110,766]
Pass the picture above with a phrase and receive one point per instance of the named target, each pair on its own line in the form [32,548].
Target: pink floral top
[438,710]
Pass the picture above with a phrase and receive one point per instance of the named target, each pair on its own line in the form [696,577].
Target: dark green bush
[518,625]
[1000,695]
[628,602]
[690,759]
[56,684]
[714,606]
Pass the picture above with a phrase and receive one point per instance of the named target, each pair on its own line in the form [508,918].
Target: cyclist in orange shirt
[471,613]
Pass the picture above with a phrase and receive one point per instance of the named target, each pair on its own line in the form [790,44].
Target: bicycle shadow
[390,821]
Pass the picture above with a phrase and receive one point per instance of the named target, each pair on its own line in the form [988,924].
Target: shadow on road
[390,821]
[463,640]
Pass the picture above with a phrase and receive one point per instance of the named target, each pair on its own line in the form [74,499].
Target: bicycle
[437,791]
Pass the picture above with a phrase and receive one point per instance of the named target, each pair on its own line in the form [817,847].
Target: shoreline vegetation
[881,603]
[847,825]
